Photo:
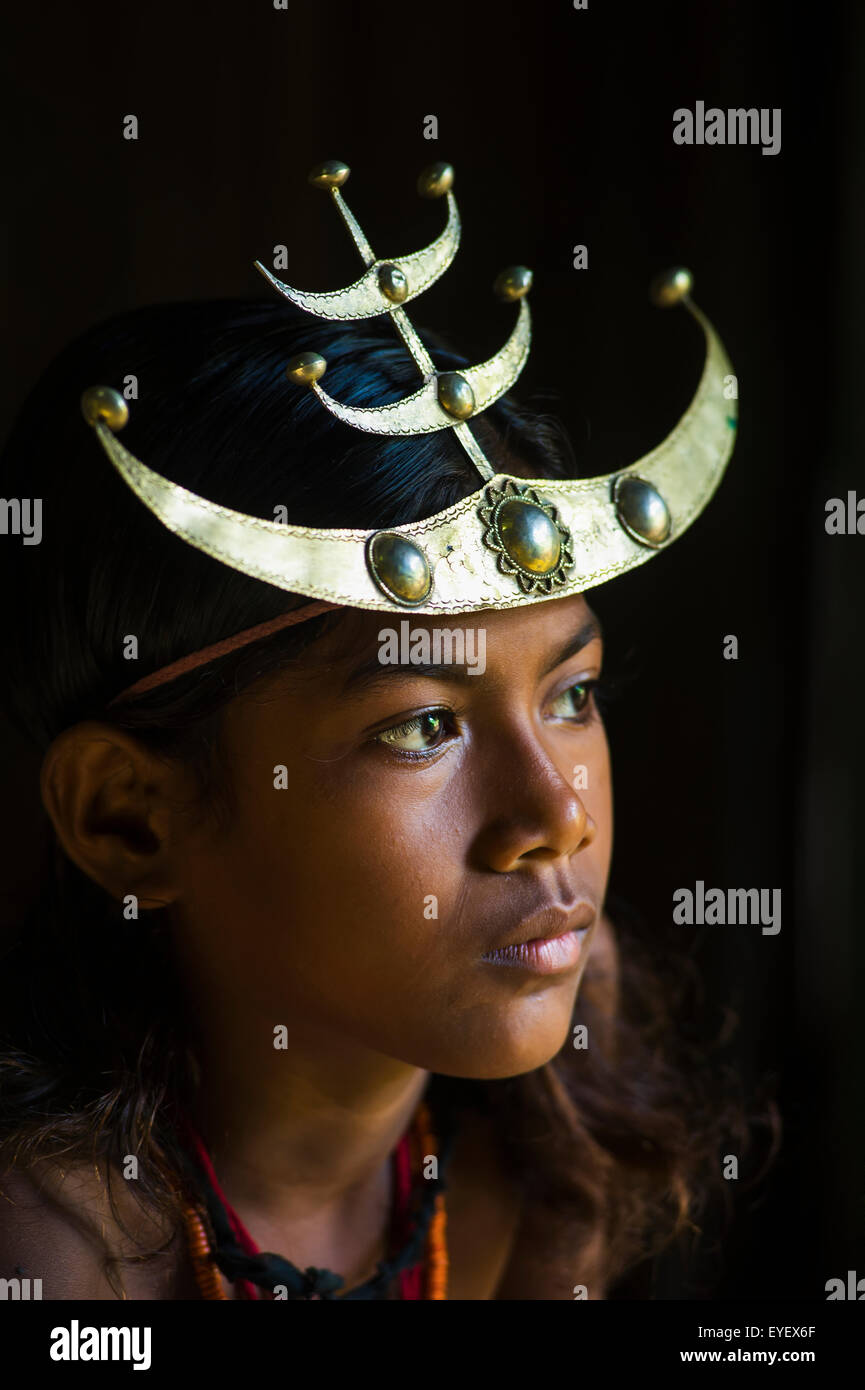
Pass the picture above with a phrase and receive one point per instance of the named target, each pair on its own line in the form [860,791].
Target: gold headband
[512,542]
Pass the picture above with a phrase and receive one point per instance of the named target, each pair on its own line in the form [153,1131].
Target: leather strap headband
[218,649]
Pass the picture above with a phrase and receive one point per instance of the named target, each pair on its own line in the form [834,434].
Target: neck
[302,1129]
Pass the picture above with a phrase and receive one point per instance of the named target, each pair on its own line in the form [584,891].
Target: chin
[523,1047]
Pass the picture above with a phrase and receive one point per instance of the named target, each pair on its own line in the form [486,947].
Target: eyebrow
[370,672]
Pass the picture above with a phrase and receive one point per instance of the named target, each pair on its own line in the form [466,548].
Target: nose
[536,814]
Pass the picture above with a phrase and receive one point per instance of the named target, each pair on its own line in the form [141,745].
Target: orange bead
[206,1274]
[436,1244]
[422,1143]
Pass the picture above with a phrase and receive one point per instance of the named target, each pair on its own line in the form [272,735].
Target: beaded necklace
[421,1265]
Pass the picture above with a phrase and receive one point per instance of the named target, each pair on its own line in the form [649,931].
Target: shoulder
[57,1225]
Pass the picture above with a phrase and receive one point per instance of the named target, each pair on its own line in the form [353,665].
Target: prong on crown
[331,174]
[102,404]
[513,283]
[435,180]
[671,286]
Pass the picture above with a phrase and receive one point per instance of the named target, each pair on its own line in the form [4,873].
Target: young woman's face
[424,820]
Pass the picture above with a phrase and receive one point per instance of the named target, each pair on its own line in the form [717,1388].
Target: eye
[575,702]
[420,735]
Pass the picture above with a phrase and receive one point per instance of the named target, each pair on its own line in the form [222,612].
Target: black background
[559,124]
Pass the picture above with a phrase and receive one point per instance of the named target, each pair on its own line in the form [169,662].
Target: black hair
[216,414]
[90,1065]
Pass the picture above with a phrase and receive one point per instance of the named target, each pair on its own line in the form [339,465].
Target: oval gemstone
[642,510]
[530,538]
[456,395]
[393,283]
[400,567]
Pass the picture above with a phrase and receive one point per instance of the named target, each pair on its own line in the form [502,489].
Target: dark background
[559,124]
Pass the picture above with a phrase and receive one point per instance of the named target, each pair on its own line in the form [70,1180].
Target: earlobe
[114,805]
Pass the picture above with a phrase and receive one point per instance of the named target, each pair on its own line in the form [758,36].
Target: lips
[553,920]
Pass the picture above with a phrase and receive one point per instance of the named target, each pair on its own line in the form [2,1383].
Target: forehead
[529,630]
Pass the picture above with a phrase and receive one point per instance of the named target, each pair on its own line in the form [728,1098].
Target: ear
[121,813]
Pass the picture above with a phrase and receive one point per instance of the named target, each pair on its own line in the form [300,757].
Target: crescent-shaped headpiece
[512,542]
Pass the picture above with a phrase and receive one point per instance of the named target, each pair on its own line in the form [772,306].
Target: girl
[319,996]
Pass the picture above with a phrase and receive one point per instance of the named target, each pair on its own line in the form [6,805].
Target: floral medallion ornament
[524,529]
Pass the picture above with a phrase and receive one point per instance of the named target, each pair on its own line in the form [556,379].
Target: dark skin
[308,907]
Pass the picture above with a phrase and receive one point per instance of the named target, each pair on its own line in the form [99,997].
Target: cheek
[344,875]
[597,796]
[351,867]
[347,902]
[348,899]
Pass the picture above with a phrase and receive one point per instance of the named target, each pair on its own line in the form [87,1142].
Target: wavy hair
[94,1060]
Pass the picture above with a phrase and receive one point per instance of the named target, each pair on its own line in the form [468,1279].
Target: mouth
[546,943]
